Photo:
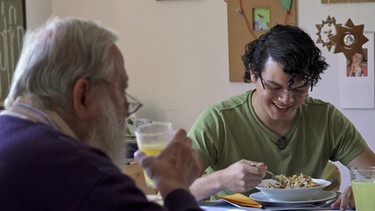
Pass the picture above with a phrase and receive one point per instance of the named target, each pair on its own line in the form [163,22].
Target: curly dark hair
[292,48]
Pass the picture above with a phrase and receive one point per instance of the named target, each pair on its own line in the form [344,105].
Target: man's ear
[80,92]
[252,76]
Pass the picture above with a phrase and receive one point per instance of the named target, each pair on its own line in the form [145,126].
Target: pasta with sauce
[293,182]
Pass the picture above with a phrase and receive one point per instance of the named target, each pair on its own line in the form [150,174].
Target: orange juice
[364,194]
[151,139]
[151,149]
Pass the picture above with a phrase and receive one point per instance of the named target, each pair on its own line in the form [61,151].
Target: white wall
[176,52]
[37,11]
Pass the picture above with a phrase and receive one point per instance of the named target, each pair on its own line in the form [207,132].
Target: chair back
[332,173]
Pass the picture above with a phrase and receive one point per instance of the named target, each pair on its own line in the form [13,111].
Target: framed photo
[12,30]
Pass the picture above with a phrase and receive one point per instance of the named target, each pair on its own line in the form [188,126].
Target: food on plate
[293,182]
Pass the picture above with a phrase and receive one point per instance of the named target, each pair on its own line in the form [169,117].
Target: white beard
[108,133]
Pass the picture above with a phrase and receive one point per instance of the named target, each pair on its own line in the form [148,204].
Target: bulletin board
[247,20]
[12,30]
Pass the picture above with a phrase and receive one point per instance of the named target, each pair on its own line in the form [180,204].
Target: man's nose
[286,96]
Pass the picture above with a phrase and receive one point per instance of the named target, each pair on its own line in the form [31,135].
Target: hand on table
[176,167]
[346,200]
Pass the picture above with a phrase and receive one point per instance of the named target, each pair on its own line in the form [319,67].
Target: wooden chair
[332,173]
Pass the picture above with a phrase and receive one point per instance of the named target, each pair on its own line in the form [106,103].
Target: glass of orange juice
[151,140]
[363,185]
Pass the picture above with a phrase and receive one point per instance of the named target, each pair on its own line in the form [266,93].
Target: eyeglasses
[133,104]
[276,90]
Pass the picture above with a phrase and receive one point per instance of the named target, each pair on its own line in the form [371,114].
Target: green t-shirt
[230,131]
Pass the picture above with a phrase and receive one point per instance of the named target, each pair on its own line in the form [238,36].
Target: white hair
[55,55]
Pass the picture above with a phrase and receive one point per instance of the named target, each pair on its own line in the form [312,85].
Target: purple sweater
[43,169]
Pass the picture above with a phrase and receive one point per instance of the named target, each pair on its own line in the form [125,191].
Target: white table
[220,205]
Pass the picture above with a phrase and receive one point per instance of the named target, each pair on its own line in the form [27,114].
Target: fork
[268,172]
[273,175]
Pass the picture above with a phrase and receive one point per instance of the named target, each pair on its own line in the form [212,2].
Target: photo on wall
[261,17]
[357,65]
[357,77]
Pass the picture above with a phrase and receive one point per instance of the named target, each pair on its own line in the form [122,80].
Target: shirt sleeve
[180,200]
[205,134]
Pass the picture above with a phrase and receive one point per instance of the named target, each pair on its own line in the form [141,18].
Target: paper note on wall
[357,78]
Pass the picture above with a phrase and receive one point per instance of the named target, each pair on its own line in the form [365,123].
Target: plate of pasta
[292,188]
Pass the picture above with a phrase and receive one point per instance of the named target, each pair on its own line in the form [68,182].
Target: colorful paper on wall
[286,4]
[357,77]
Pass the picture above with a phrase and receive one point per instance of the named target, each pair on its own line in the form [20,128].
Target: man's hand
[345,201]
[176,167]
[243,175]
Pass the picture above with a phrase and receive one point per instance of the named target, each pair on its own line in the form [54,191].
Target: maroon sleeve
[180,200]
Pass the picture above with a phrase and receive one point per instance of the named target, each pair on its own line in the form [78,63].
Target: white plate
[292,194]
[321,197]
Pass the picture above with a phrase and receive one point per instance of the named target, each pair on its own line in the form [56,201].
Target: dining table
[222,205]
